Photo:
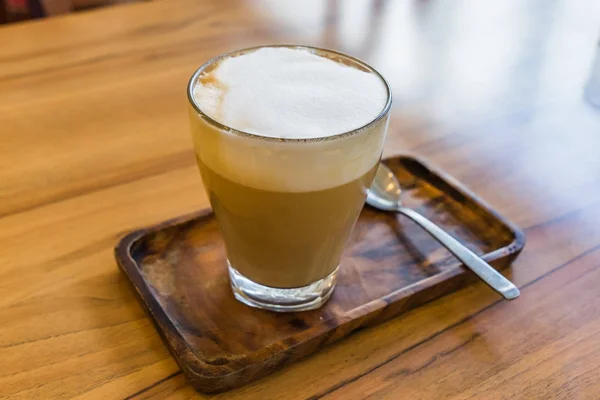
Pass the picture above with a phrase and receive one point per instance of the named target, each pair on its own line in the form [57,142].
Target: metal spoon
[385,195]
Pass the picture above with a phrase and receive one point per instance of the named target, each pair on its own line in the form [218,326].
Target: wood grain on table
[94,142]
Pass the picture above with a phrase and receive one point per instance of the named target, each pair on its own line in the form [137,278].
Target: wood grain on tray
[391,265]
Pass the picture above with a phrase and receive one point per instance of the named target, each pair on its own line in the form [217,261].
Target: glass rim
[192,83]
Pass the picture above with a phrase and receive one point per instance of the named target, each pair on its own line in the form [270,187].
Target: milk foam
[289,93]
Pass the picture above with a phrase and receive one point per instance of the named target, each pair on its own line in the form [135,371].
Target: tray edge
[221,379]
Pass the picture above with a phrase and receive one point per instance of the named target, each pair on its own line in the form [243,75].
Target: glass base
[282,300]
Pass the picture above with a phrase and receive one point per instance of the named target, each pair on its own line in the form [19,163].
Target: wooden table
[94,142]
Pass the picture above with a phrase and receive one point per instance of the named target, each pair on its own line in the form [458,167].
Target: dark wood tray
[391,266]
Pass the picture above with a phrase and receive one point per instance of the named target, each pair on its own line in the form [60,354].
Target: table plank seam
[82,63]
[166,378]
[144,55]
[394,356]
[71,333]
[160,27]
[450,327]
[108,185]
[408,372]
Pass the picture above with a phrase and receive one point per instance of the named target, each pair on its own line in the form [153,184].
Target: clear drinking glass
[284,230]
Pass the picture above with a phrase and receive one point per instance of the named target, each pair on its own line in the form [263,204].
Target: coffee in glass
[287,139]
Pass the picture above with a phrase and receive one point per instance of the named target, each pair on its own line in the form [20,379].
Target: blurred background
[428,47]
[460,70]
[20,10]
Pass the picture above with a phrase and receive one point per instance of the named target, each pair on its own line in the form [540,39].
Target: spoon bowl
[384,195]
[385,190]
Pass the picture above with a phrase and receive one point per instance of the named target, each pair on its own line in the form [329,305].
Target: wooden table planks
[94,142]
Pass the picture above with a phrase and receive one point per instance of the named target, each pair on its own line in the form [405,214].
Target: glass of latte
[287,139]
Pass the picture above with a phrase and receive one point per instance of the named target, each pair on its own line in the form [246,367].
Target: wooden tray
[391,266]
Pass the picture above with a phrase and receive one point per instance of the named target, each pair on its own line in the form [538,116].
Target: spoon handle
[471,260]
